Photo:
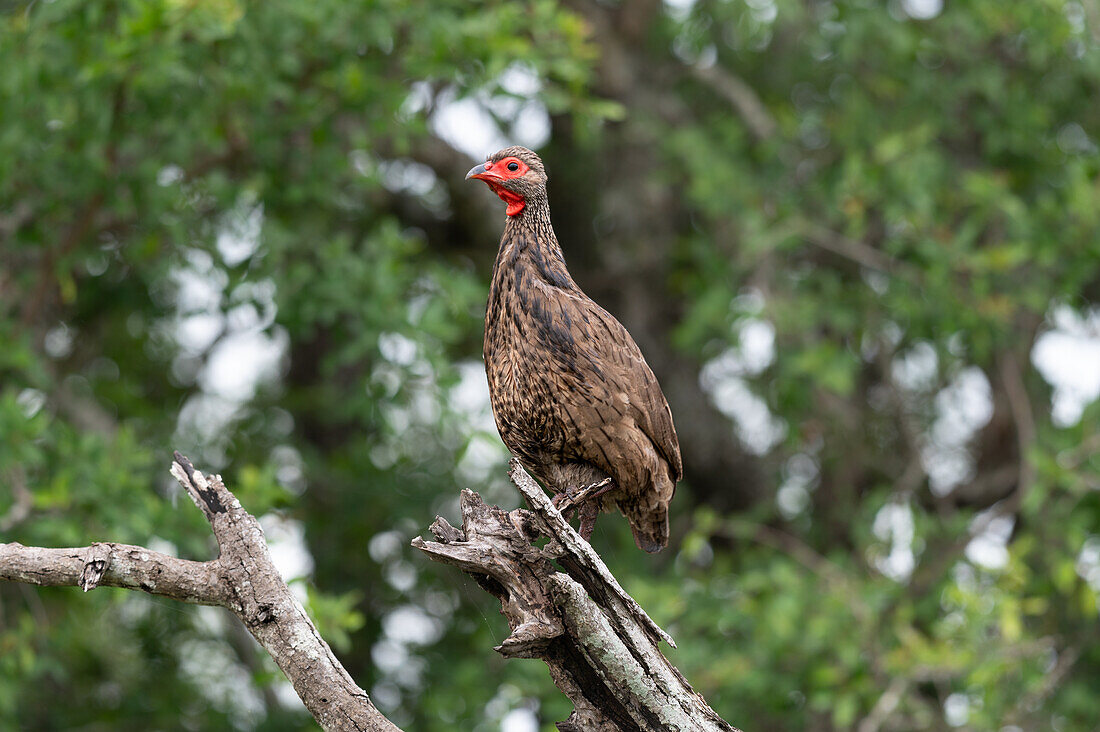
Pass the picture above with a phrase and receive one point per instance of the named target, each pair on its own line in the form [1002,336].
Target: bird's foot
[562,502]
[584,503]
[568,500]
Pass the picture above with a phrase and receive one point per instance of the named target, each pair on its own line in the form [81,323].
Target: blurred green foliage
[240,230]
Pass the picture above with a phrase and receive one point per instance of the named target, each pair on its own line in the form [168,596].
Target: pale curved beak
[480,173]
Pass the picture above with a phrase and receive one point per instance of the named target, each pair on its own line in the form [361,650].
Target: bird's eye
[513,166]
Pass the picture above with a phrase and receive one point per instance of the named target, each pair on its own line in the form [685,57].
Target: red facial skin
[495,173]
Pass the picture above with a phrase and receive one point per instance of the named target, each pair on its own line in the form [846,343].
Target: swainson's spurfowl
[573,398]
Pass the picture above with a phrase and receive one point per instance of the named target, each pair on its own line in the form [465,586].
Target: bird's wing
[607,375]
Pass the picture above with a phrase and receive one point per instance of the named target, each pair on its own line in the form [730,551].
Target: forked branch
[242,579]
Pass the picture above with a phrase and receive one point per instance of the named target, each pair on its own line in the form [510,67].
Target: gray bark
[242,579]
[600,646]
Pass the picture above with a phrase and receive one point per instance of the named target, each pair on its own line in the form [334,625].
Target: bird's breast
[523,384]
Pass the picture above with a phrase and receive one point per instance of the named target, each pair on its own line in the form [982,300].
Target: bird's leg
[588,512]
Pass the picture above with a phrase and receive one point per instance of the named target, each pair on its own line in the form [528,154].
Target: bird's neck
[529,244]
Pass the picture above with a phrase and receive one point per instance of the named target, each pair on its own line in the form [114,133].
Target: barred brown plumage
[573,397]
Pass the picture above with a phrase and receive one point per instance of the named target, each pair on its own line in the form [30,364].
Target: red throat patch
[514,200]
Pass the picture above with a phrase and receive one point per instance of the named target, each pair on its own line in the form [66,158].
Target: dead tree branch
[242,579]
[600,646]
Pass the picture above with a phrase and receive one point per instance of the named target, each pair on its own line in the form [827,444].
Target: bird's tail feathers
[650,529]
[648,511]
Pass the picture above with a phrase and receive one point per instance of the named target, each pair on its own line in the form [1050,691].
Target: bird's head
[515,174]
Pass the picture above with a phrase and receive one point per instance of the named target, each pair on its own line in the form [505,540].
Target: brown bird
[573,398]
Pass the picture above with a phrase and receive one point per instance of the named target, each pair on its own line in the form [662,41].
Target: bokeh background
[857,240]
